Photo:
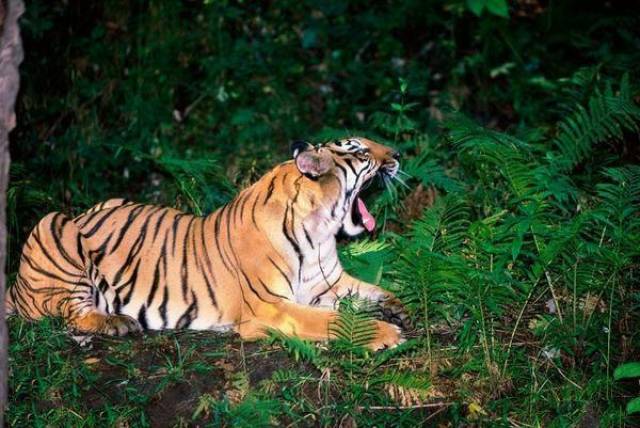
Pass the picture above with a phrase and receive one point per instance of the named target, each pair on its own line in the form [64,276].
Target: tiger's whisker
[401,181]
[392,189]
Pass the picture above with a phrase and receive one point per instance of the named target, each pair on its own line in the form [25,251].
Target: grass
[177,378]
[204,378]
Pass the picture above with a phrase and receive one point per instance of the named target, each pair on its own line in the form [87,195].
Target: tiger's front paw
[387,336]
[120,325]
[393,312]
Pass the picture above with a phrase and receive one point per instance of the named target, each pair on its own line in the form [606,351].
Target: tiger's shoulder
[109,203]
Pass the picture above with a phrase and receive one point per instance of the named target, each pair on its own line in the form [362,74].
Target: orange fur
[261,262]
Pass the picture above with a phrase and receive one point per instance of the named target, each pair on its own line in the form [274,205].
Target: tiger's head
[352,163]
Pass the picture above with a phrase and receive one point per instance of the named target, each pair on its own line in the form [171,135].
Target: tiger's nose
[396,155]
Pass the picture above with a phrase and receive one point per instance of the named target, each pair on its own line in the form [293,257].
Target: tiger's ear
[310,161]
[299,146]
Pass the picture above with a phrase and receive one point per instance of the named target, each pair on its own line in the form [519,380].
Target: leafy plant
[627,371]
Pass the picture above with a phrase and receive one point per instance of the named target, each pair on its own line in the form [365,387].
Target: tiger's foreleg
[53,281]
[391,308]
[308,323]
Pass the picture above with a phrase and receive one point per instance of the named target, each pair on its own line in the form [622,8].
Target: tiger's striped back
[258,262]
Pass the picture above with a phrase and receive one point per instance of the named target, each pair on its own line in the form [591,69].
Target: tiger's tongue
[367,219]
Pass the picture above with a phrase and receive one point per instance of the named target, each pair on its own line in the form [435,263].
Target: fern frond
[354,326]
[619,208]
[406,379]
[607,116]
[431,173]
[300,350]
[510,156]
[192,178]
[442,227]
[367,258]
[429,262]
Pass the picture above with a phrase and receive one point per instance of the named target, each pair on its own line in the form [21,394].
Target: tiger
[265,261]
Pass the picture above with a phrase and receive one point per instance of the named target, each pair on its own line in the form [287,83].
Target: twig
[515,327]
[517,424]
[564,376]
[548,278]
[434,414]
[414,406]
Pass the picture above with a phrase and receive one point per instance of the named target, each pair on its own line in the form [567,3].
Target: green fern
[406,379]
[618,213]
[429,261]
[252,412]
[298,349]
[607,116]
[431,173]
[353,328]
[192,177]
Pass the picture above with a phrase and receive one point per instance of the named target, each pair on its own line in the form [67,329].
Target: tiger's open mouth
[360,215]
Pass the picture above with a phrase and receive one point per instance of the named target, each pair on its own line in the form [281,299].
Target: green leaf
[516,245]
[633,406]
[498,7]
[476,6]
[626,371]
[403,85]
[309,38]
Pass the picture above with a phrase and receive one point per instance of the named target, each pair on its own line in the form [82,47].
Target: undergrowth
[513,236]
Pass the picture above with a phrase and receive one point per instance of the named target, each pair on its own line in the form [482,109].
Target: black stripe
[133,215]
[246,278]
[208,265]
[86,217]
[142,317]
[162,310]
[216,236]
[184,270]
[292,240]
[306,235]
[58,243]
[45,251]
[99,223]
[297,185]
[281,272]
[174,227]
[349,163]
[117,304]
[98,254]
[133,252]
[156,279]
[266,288]
[158,223]
[272,186]
[244,202]
[132,284]
[48,274]
[253,212]
[187,317]
[79,248]
[316,299]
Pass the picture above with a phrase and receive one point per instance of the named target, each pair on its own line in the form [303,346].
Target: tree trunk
[10,59]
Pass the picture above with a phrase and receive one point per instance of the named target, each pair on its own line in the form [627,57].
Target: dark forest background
[514,242]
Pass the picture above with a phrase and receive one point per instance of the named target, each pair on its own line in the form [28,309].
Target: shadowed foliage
[512,235]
